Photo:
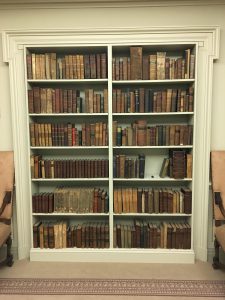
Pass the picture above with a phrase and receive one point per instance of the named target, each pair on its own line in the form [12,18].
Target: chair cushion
[218,179]
[4,232]
[220,235]
[7,213]
[6,170]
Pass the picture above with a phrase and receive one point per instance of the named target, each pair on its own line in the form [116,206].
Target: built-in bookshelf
[111,145]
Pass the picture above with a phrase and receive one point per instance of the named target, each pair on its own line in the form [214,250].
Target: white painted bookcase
[205,42]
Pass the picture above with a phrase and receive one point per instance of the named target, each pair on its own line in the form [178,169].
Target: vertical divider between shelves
[110,153]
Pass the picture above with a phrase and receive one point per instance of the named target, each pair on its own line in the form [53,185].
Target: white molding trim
[79,4]
[114,255]
[206,38]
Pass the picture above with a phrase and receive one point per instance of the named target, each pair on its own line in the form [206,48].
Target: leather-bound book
[41,235]
[189,165]
[36,238]
[31,102]
[153,67]
[37,100]
[135,63]
[103,65]
[53,65]
[98,65]
[29,66]
[192,66]
[187,194]
[150,201]
[156,200]
[46,236]
[167,68]
[51,241]
[87,69]
[141,158]
[137,225]
[141,132]
[118,235]
[161,65]
[170,201]
[93,70]
[145,67]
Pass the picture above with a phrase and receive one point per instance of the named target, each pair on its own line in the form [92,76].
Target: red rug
[134,287]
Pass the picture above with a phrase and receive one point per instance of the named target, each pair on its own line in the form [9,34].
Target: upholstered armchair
[6,195]
[218,189]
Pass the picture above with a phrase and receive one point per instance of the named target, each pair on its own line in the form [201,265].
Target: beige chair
[218,189]
[6,194]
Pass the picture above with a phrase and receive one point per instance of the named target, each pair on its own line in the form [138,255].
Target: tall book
[135,63]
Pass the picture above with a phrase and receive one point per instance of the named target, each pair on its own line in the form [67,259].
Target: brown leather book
[161,65]
[164,168]
[31,102]
[36,238]
[189,165]
[192,66]
[29,66]
[145,66]
[136,63]
[93,70]
[153,67]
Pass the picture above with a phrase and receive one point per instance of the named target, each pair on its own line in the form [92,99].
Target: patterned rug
[130,287]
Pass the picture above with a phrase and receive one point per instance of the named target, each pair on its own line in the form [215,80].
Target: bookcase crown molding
[205,38]
[15,39]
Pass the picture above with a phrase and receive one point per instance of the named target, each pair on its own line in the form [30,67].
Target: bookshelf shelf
[71,214]
[60,81]
[151,215]
[68,115]
[68,179]
[169,81]
[70,147]
[154,114]
[155,178]
[155,147]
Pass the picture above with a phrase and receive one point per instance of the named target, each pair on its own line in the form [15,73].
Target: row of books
[153,200]
[169,235]
[58,100]
[141,134]
[60,235]
[52,134]
[68,168]
[71,66]
[144,100]
[154,66]
[127,167]
[71,200]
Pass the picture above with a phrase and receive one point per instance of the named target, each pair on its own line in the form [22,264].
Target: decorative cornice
[68,4]
[26,37]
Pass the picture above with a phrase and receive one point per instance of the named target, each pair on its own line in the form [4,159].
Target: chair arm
[219,202]
[6,201]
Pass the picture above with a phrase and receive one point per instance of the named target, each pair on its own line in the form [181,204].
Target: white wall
[89,17]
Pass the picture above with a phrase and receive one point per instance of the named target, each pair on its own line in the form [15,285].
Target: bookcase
[112,148]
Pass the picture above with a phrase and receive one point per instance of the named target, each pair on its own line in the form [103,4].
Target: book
[164,168]
[135,63]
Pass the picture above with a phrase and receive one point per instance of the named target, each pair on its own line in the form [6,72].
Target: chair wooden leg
[9,258]
[216,263]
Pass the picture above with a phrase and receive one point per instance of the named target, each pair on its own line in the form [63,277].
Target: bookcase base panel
[114,255]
